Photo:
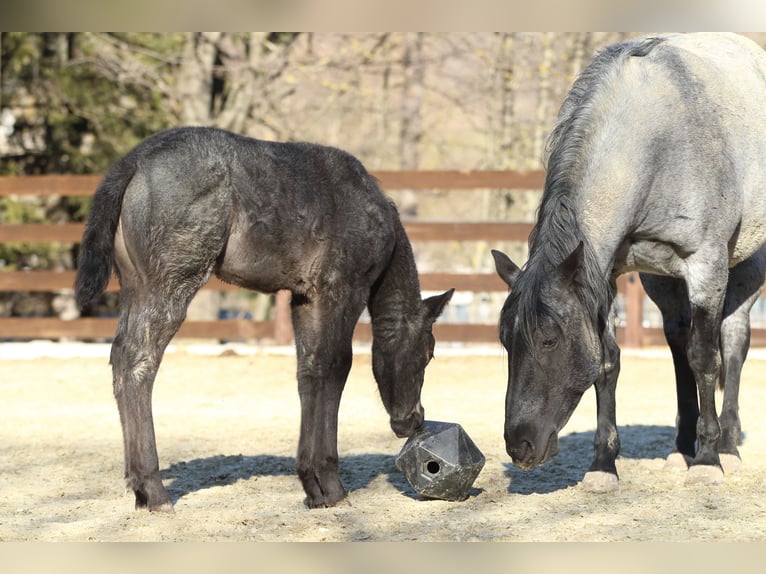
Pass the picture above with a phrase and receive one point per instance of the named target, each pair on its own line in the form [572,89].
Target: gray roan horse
[190,202]
[657,164]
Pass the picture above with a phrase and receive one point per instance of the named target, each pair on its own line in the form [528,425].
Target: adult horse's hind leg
[670,296]
[324,326]
[744,288]
[158,279]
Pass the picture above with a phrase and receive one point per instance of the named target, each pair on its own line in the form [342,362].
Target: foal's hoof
[327,501]
[600,482]
[730,462]
[326,504]
[703,474]
[678,461]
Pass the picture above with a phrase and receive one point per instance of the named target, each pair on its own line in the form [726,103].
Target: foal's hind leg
[669,294]
[323,329]
[146,326]
[743,289]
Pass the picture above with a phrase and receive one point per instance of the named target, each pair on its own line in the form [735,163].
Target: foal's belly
[267,263]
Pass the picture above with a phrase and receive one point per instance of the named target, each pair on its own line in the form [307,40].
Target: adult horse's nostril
[522,453]
[552,447]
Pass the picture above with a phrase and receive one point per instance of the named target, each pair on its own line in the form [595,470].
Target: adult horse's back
[190,202]
[657,164]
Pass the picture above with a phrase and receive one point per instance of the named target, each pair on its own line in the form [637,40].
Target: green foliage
[80,101]
[76,108]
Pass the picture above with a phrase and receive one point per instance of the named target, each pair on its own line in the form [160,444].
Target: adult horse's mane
[557,232]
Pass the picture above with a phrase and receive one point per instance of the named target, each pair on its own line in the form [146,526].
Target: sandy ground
[227,430]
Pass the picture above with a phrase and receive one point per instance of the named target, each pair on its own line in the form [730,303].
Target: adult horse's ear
[571,268]
[435,305]
[506,268]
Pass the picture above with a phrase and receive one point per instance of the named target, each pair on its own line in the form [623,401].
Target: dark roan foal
[187,203]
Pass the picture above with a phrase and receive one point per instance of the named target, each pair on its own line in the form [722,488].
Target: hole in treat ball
[432,467]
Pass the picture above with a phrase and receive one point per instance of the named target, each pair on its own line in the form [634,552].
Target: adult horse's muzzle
[529,449]
[404,427]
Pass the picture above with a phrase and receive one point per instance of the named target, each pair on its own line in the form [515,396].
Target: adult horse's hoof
[730,462]
[166,508]
[600,482]
[678,461]
[703,474]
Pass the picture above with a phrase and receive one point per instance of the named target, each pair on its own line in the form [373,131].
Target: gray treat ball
[440,461]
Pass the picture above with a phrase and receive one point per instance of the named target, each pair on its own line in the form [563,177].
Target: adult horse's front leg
[602,474]
[323,332]
[707,287]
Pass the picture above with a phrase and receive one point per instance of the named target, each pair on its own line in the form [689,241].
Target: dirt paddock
[227,428]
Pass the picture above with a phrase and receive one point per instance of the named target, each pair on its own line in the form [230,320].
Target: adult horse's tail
[97,245]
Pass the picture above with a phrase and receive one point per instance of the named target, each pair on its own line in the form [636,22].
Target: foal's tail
[97,245]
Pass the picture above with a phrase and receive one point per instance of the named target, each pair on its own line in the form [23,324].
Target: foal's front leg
[323,345]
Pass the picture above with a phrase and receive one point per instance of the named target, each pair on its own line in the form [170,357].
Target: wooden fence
[278,329]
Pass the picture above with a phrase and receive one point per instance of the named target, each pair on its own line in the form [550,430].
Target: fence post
[634,312]
[283,326]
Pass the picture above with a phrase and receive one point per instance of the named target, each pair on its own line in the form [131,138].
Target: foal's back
[271,215]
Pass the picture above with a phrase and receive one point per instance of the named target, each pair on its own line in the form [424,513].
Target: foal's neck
[395,298]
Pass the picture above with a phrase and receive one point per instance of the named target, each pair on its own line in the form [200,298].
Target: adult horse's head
[401,349]
[551,332]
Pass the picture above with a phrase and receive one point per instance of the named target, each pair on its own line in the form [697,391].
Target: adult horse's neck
[556,236]
[395,297]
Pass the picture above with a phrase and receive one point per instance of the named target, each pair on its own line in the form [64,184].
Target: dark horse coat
[190,202]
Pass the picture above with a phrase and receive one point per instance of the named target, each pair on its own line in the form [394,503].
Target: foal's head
[400,353]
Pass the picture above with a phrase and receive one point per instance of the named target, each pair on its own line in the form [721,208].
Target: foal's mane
[557,231]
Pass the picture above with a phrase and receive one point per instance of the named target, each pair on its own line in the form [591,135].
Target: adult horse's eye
[550,343]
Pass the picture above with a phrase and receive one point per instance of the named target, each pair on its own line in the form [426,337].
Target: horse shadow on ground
[356,471]
[576,452]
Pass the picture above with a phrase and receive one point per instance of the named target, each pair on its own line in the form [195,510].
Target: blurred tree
[74,102]
[411,131]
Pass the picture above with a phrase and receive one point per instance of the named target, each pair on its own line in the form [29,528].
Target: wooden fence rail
[632,334]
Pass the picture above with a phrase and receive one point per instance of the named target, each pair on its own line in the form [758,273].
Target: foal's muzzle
[406,426]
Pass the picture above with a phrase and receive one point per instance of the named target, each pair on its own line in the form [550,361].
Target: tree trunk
[411,128]
[195,78]
[544,103]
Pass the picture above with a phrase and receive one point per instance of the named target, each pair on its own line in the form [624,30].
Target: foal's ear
[506,268]
[435,305]
[571,268]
